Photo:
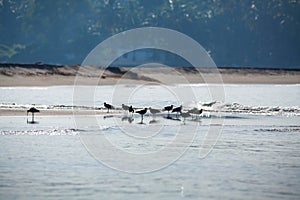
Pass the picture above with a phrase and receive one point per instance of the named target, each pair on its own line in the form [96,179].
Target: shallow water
[256,155]
[251,95]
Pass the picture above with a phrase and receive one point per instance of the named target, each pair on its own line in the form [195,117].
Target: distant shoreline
[40,74]
[40,65]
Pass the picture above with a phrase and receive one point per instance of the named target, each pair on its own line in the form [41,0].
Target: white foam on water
[52,132]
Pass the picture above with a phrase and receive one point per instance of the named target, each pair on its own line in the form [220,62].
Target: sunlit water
[256,156]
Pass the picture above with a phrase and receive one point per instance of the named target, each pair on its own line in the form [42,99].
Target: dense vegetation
[255,33]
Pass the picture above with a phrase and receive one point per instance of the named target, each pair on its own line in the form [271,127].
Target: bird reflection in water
[129,119]
[153,121]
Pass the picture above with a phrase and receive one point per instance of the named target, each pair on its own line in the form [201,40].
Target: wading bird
[125,107]
[32,110]
[142,112]
[154,111]
[209,104]
[177,110]
[131,110]
[196,112]
[108,106]
[185,115]
[168,108]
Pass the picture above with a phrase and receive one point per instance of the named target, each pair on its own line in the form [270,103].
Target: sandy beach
[48,75]
[15,75]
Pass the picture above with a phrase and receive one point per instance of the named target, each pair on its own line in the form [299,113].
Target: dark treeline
[237,33]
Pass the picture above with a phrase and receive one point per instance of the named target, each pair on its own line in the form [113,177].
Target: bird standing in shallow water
[142,112]
[154,111]
[168,108]
[177,110]
[32,110]
[131,110]
[185,115]
[196,112]
[125,107]
[108,106]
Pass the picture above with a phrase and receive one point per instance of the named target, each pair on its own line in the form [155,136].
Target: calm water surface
[257,156]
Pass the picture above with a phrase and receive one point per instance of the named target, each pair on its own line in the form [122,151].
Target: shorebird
[108,106]
[32,110]
[196,111]
[142,112]
[131,110]
[168,108]
[177,110]
[185,115]
[154,111]
[125,107]
[209,104]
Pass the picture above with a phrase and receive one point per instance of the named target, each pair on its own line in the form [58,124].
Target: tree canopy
[251,33]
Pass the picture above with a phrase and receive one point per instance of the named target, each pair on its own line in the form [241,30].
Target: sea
[244,145]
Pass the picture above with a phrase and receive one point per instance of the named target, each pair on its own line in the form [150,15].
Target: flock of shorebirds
[178,110]
[170,108]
